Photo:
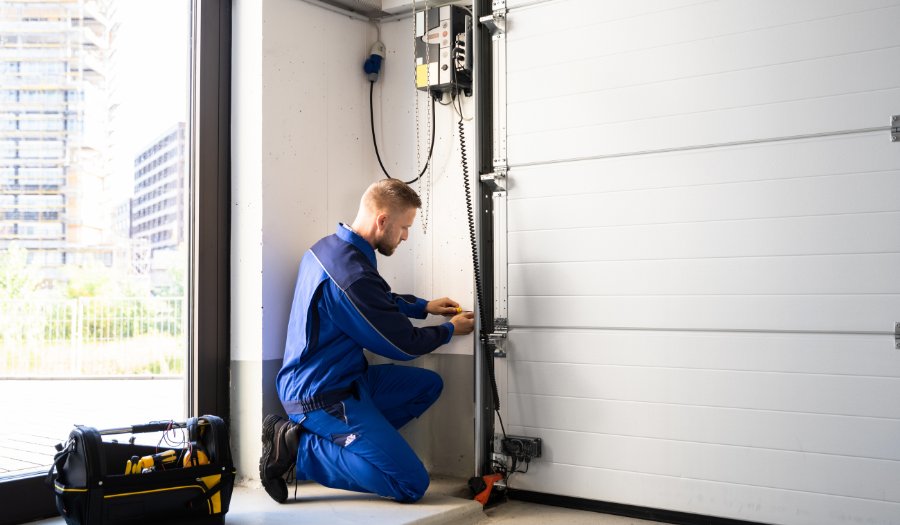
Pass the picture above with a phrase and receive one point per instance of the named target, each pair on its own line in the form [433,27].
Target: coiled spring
[479,292]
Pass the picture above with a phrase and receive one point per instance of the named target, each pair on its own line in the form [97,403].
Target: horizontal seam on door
[727,482]
[705,443]
[702,330]
[823,414]
[652,367]
[774,218]
[701,146]
[702,185]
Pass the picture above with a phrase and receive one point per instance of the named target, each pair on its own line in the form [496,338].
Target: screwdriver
[136,465]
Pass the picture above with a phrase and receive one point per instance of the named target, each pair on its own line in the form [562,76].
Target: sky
[152,73]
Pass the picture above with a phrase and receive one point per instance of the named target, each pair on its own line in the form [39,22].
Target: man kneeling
[344,414]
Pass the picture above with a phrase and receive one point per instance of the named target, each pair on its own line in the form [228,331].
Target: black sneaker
[280,438]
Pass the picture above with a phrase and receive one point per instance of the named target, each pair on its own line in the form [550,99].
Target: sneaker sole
[268,439]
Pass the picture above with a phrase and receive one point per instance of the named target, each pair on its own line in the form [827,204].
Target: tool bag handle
[59,460]
[226,479]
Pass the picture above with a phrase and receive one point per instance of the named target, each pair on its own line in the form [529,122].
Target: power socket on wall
[520,447]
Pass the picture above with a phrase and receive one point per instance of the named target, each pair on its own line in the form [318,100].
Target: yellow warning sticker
[421,75]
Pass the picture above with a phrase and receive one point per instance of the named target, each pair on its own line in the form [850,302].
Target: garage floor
[441,505]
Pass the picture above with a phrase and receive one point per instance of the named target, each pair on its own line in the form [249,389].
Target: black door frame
[24,498]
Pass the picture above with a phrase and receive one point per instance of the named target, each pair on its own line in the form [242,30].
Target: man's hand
[464,323]
[446,307]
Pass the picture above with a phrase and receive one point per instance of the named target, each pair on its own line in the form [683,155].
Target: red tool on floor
[482,487]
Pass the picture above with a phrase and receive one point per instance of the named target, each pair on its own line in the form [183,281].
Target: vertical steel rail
[484,428]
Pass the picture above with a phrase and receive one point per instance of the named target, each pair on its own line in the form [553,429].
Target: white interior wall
[302,157]
[436,263]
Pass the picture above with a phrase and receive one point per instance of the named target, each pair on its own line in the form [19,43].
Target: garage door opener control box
[101,483]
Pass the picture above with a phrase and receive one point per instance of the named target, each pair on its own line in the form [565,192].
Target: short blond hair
[390,195]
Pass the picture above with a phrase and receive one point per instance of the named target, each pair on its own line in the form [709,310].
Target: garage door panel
[609,11]
[702,236]
[811,275]
[537,20]
[796,118]
[545,34]
[742,502]
[783,84]
[842,234]
[821,156]
[811,313]
[834,195]
[807,393]
[840,354]
[815,473]
[872,438]
[786,46]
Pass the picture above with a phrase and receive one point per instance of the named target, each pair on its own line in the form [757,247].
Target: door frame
[24,497]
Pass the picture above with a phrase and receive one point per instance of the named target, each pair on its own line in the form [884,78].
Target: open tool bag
[100,483]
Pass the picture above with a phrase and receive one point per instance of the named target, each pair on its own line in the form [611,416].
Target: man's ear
[381,221]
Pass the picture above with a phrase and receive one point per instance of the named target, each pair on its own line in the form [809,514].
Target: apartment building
[158,205]
[55,68]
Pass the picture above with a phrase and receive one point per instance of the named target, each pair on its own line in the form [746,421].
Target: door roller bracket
[496,181]
[895,128]
[897,336]
[496,339]
[496,21]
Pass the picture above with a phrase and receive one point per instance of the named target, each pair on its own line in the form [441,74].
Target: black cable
[479,290]
[375,142]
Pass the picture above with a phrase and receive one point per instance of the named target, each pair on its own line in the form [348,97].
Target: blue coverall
[351,411]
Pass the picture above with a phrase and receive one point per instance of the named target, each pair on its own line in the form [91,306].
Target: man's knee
[433,384]
[416,485]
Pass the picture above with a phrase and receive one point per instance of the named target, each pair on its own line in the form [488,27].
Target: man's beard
[384,245]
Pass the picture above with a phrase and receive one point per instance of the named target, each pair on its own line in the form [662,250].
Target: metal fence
[92,336]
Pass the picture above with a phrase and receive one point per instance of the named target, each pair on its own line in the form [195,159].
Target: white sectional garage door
[703,246]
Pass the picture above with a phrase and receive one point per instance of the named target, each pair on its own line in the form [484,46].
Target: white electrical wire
[377,28]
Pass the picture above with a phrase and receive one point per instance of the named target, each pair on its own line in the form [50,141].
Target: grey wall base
[253,396]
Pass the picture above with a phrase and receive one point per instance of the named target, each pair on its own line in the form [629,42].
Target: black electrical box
[519,447]
[443,41]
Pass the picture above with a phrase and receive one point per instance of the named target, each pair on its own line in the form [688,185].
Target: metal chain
[425,211]
[430,116]
[416,94]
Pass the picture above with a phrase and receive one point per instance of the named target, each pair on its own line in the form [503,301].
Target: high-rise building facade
[121,219]
[158,205]
[55,65]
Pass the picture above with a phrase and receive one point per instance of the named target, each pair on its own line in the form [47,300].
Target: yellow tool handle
[163,458]
[131,466]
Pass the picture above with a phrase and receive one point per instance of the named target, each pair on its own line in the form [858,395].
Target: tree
[91,280]
[18,279]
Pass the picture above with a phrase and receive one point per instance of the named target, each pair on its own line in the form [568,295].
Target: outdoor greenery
[96,321]
[18,279]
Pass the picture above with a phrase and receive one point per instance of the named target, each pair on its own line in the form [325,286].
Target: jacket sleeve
[366,312]
[410,305]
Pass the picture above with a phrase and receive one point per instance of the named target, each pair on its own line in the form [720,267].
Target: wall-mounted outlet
[520,447]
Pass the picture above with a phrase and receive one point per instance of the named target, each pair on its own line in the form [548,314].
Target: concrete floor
[445,503]
[318,505]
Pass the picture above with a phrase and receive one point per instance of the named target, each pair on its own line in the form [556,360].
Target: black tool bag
[92,488]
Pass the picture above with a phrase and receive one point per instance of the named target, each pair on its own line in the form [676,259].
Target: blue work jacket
[342,305]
